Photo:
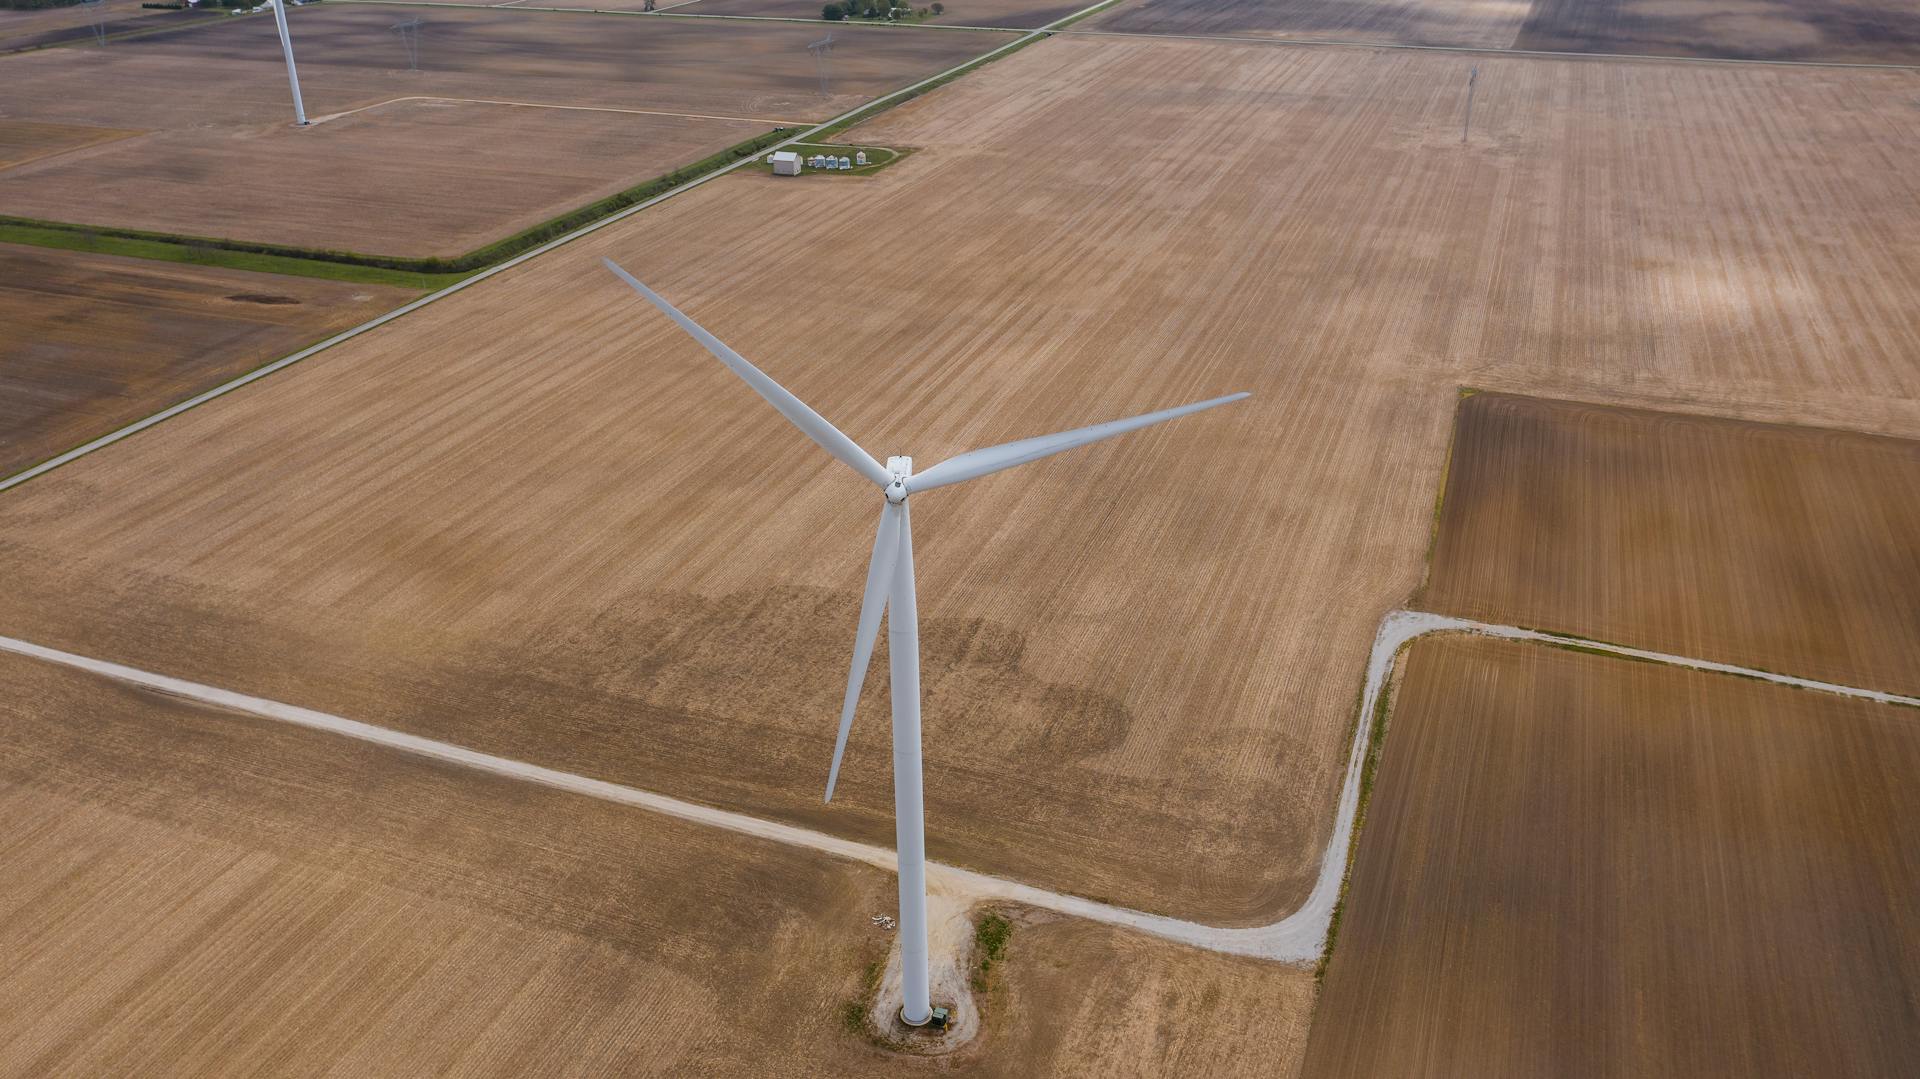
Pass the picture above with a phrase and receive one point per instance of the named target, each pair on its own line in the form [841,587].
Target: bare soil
[1017,14]
[23,140]
[536,519]
[407,178]
[1486,24]
[54,26]
[349,56]
[1857,31]
[1580,865]
[1791,549]
[184,890]
[1845,31]
[89,343]
[376,181]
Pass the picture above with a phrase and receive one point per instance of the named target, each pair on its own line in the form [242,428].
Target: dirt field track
[1576,865]
[1790,549]
[189,890]
[1848,31]
[22,140]
[537,520]
[93,342]
[403,178]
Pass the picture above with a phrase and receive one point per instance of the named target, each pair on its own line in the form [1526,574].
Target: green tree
[833,13]
[939,9]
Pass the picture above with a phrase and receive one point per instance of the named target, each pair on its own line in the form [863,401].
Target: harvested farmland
[636,6]
[1791,549]
[1845,31]
[23,140]
[41,27]
[185,890]
[1476,23]
[411,177]
[350,57]
[536,519]
[89,343]
[569,108]
[1582,865]
[1855,31]
[1017,14]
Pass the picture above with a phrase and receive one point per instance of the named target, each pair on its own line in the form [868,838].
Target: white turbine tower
[293,76]
[890,583]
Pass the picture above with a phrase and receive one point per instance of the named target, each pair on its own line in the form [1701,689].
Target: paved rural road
[1297,938]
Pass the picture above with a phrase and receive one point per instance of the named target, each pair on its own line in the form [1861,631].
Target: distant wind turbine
[890,583]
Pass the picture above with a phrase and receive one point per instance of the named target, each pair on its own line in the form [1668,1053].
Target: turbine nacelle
[899,470]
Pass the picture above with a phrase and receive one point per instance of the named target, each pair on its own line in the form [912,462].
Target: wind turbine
[890,583]
[293,75]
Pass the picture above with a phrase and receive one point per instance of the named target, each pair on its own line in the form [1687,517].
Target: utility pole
[1466,125]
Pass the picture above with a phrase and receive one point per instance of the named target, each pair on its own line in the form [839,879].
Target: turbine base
[936,1019]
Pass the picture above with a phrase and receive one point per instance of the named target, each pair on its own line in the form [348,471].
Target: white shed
[860,158]
[785,163]
[845,164]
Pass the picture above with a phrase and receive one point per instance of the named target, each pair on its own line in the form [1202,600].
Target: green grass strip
[76,238]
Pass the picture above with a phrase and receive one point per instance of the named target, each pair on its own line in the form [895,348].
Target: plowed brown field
[1579,865]
[1857,31]
[89,343]
[1843,31]
[21,29]
[23,140]
[1019,14]
[1790,549]
[188,891]
[374,181]
[404,173]
[349,56]
[1485,24]
[536,519]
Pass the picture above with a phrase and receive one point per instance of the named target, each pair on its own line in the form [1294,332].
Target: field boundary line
[859,112]
[1298,938]
[1443,622]
[544,105]
[1478,50]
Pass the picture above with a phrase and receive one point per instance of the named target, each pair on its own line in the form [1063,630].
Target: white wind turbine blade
[886,551]
[976,463]
[811,423]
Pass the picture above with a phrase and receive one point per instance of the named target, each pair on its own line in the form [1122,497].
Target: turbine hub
[899,468]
